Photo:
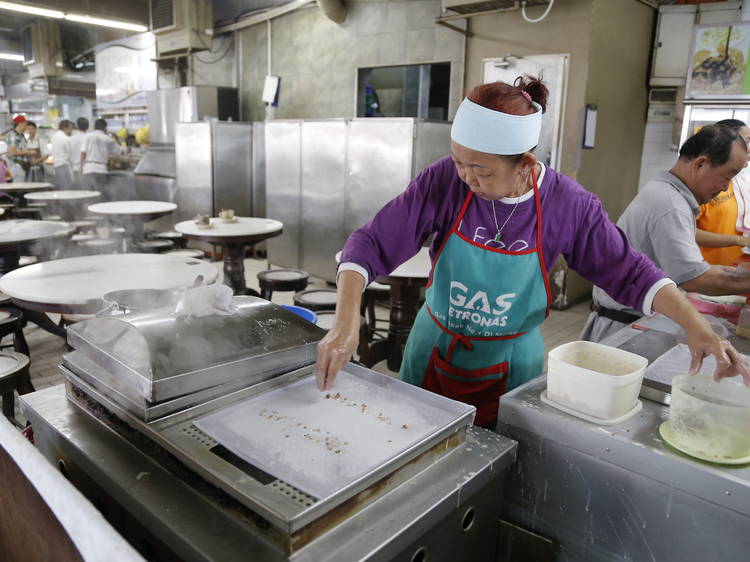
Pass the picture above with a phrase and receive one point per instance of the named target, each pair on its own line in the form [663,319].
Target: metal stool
[14,376]
[100,246]
[316,299]
[155,246]
[27,260]
[179,240]
[188,253]
[12,322]
[272,280]
[34,213]
[84,226]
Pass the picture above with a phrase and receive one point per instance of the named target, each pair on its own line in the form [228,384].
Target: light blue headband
[486,130]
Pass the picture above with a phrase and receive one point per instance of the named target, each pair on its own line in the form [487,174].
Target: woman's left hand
[703,342]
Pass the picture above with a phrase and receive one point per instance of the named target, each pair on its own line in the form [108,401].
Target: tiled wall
[317,59]
[657,151]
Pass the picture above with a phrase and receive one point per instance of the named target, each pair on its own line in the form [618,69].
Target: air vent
[662,95]
[162,14]
[474,6]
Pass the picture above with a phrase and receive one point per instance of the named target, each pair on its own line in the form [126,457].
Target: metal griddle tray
[152,357]
[284,506]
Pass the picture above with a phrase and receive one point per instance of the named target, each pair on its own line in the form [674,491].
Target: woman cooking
[499,219]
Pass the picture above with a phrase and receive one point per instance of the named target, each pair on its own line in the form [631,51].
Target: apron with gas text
[477,335]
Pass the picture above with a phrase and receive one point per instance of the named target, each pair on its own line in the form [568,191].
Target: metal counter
[449,511]
[618,492]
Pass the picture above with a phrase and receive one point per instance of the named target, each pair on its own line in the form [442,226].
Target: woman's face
[490,176]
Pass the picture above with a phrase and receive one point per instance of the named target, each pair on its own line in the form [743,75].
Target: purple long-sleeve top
[574,225]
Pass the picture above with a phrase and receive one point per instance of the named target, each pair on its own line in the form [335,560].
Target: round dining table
[405,282]
[68,203]
[133,215]
[18,190]
[233,236]
[32,236]
[77,285]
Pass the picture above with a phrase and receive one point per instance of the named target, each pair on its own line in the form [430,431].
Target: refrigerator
[214,167]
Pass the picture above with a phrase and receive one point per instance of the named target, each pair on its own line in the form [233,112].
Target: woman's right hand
[334,350]
[337,346]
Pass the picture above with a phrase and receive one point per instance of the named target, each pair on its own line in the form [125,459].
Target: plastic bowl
[303,312]
[710,419]
[597,380]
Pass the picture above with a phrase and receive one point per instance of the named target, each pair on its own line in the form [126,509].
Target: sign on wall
[720,62]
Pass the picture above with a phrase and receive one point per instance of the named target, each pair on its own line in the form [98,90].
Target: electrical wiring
[540,18]
[227,46]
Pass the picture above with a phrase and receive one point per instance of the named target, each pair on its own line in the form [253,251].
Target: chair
[14,376]
[272,280]
[188,253]
[316,299]
[34,213]
[155,246]
[12,322]
[100,246]
[374,292]
[179,240]
[84,226]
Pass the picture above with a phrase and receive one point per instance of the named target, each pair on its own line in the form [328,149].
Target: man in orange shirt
[716,234]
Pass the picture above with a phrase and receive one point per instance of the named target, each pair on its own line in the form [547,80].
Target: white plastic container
[597,380]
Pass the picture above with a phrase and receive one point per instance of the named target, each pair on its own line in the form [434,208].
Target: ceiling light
[11,56]
[105,22]
[26,9]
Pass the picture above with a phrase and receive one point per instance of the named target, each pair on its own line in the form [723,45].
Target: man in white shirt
[96,149]
[76,142]
[61,155]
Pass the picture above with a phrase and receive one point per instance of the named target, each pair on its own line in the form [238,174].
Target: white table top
[26,186]
[243,226]
[23,230]
[62,195]
[132,207]
[78,281]
[415,267]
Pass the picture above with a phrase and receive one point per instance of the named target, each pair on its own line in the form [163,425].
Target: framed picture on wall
[719,66]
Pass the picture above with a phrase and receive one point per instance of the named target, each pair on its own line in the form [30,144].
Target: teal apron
[477,335]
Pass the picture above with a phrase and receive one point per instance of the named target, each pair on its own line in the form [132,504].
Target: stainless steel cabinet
[214,168]
[326,178]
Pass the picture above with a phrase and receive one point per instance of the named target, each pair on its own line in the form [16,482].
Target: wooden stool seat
[14,376]
[100,246]
[52,217]
[316,299]
[83,226]
[281,280]
[27,260]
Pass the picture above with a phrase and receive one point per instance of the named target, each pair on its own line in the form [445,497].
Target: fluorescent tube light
[106,23]
[33,10]
[11,56]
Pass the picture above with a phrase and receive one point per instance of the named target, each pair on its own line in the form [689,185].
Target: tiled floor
[46,350]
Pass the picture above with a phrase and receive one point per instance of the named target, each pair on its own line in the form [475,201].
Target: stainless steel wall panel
[283,169]
[194,170]
[322,196]
[379,166]
[432,142]
[232,167]
[259,169]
